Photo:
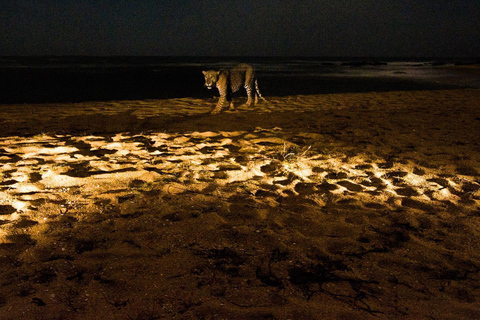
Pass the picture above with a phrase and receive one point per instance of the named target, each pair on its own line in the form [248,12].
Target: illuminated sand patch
[126,204]
[86,169]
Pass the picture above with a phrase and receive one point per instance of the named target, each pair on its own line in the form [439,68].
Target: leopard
[230,81]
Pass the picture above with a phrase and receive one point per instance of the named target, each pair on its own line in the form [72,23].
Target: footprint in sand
[350,186]
[6,210]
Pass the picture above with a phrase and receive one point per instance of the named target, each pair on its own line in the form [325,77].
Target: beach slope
[341,206]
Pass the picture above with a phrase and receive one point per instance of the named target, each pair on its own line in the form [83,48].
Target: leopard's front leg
[221,101]
[225,91]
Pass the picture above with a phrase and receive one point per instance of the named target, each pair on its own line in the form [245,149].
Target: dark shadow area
[49,85]
[79,79]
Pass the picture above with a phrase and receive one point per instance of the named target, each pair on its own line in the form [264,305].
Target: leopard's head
[211,77]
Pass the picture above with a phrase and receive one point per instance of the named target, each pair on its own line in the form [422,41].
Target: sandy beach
[333,206]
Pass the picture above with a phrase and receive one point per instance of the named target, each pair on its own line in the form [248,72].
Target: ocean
[77,79]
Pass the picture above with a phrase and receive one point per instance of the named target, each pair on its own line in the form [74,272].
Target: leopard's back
[241,75]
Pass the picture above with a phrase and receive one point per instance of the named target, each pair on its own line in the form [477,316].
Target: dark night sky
[434,28]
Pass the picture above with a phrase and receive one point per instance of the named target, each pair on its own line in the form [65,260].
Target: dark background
[368,28]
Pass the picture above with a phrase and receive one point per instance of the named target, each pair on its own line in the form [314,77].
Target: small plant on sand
[295,161]
[292,153]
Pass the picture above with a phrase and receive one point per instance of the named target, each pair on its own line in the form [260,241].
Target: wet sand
[341,206]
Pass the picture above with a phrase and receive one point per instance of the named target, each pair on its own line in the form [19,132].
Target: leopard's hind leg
[249,89]
[249,85]
[257,93]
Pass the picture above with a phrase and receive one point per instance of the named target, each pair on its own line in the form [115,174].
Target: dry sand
[345,206]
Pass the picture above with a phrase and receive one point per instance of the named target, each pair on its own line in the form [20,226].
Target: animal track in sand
[88,171]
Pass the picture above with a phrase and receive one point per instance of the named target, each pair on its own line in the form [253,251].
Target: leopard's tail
[258,91]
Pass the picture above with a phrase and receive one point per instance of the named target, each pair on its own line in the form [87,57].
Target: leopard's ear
[204,72]
[218,73]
